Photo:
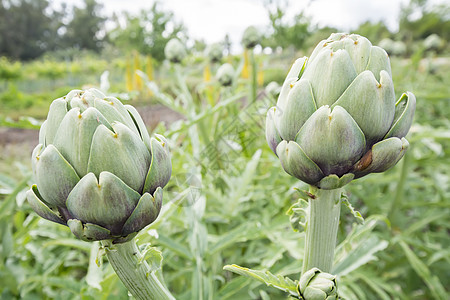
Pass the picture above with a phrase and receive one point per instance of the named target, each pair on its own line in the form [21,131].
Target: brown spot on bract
[365,161]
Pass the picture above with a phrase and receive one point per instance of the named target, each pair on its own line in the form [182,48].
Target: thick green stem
[135,274]
[321,230]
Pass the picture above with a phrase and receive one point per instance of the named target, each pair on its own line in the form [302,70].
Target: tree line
[30,28]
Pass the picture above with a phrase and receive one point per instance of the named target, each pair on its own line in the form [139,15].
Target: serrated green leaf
[277,281]
[153,257]
[355,213]
[94,276]
[298,213]
[432,281]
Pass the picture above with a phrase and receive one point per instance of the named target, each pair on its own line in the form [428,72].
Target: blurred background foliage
[228,197]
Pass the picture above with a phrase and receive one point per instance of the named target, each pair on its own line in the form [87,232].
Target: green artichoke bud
[336,118]
[399,48]
[96,168]
[215,52]
[175,51]
[251,37]
[387,44]
[225,74]
[317,285]
[433,42]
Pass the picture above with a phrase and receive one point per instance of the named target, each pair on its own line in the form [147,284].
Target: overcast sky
[212,19]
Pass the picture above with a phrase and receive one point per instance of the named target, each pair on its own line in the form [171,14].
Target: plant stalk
[135,274]
[399,194]
[321,229]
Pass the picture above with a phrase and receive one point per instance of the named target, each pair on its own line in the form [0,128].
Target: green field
[228,200]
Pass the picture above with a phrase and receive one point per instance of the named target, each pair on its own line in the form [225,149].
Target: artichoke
[317,285]
[225,74]
[387,44]
[96,168]
[433,42]
[336,118]
[215,52]
[251,37]
[175,51]
[399,48]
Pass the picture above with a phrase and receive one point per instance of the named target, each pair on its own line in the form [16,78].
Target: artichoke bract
[96,168]
[317,285]
[336,117]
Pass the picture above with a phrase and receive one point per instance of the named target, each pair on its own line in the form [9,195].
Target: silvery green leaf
[277,281]
[359,218]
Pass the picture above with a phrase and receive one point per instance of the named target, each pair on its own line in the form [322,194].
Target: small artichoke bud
[175,51]
[225,74]
[215,52]
[399,48]
[317,285]
[387,44]
[433,42]
[96,168]
[336,117]
[251,37]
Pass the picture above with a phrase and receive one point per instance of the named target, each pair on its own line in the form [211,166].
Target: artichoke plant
[225,74]
[336,118]
[175,51]
[251,37]
[317,285]
[433,42]
[215,52]
[96,168]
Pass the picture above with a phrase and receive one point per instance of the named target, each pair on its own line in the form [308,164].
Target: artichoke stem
[321,229]
[136,275]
